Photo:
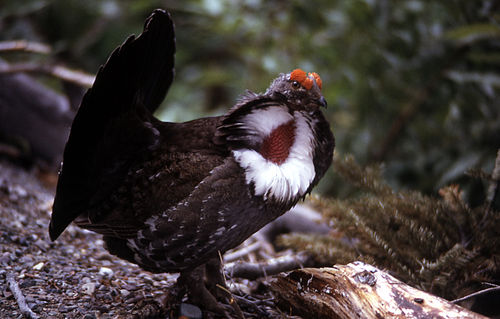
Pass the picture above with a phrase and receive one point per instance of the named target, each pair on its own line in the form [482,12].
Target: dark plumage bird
[171,196]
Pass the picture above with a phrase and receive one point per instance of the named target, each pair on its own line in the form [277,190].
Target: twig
[274,266]
[414,105]
[493,197]
[77,77]
[18,295]
[9,151]
[231,299]
[399,124]
[494,189]
[475,294]
[242,252]
[23,45]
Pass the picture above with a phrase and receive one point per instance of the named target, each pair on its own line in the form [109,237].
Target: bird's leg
[205,284]
[216,283]
[193,281]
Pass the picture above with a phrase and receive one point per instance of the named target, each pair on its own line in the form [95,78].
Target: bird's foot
[206,287]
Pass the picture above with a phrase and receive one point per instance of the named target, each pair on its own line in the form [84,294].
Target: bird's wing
[149,189]
[114,122]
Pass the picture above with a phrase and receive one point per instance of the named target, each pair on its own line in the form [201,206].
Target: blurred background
[414,85]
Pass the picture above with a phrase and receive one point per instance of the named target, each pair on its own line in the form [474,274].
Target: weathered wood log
[36,114]
[358,290]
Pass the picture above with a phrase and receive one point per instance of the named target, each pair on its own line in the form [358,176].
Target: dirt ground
[73,277]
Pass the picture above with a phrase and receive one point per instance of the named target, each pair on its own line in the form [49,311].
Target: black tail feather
[109,125]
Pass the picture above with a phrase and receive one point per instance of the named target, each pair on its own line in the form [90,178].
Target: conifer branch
[369,178]
[437,243]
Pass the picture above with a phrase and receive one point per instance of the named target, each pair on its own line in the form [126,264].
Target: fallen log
[358,290]
[36,115]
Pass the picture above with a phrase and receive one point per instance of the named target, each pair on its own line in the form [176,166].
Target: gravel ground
[73,277]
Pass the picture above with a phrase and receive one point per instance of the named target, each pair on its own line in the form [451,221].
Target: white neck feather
[264,121]
[292,178]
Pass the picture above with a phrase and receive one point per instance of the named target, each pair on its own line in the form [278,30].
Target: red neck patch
[276,147]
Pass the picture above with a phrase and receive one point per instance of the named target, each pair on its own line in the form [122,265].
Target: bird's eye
[295,84]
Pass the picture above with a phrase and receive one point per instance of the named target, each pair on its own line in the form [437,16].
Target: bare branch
[414,105]
[242,252]
[77,77]
[274,266]
[23,45]
[494,189]
[493,195]
[475,294]
[18,295]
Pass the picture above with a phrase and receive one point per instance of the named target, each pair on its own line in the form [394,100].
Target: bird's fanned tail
[116,111]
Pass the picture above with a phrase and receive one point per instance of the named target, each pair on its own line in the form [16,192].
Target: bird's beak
[322,102]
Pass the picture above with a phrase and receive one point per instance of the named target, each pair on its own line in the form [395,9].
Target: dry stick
[242,252]
[399,124]
[413,106]
[18,295]
[66,74]
[475,294]
[274,266]
[493,195]
[26,46]
[494,189]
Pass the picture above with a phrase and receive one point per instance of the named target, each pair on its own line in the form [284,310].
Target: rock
[5,258]
[106,272]
[89,288]
[39,266]
[43,245]
[187,310]
[64,309]
[124,292]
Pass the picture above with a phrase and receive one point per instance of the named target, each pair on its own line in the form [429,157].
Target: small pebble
[130,287]
[43,245]
[106,272]
[88,288]
[39,266]
[70,293]
[65,309]
[124,292]
[19,191]
[190,311]
[5,258]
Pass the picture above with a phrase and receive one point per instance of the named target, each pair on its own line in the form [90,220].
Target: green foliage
[438,244]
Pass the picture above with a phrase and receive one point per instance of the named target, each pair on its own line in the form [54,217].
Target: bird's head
[301,90]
